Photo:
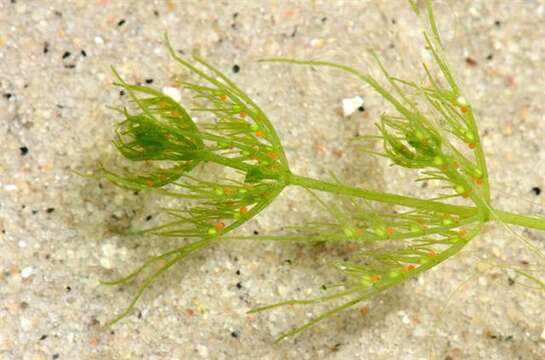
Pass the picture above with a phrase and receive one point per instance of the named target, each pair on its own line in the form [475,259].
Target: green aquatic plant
[432,131]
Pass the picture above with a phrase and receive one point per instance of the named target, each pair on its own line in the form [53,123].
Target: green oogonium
[432,131]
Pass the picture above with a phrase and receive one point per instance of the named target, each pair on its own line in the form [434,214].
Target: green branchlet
[162,134]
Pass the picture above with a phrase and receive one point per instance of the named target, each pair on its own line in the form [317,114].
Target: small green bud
[477,173]
[461,101]
[366,280]
[349,232]
[438,161]
[393,273]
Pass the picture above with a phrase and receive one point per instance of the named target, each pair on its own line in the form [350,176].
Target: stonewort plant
[432,131]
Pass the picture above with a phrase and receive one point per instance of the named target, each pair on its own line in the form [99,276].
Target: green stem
[430,205]
[521,220]
[388,198]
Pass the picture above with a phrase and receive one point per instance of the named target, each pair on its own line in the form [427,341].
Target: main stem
[394,199]
[388,198]
[521,220]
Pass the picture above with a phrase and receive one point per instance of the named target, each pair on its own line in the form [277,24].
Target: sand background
[56,236]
